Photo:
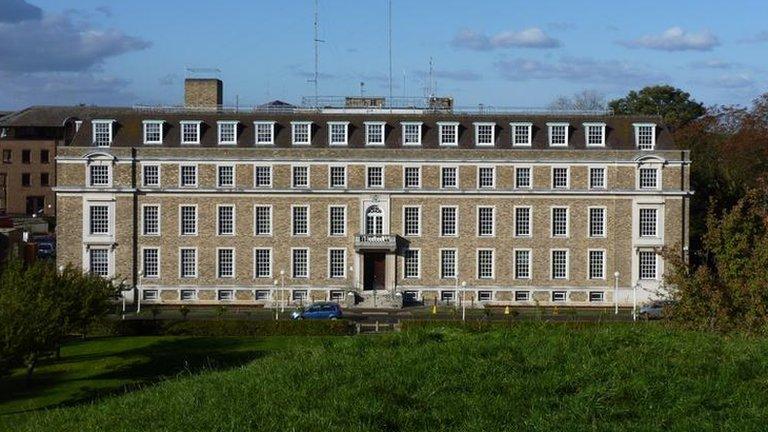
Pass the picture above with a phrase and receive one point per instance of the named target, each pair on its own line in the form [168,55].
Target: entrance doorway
[374,271]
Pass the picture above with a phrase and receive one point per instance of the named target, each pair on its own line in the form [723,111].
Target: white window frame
[657,211]
[110,259]
[405,176]
[552,264]
[455,126]
[99,163]
[256,221]
[368,184]
[559,296]
[418,263]
[333,143]
[589,264]
[530,222]
[195,123]
[144,178]
[493,263]
[293,176]
[181,175]
[218,176]
[197,220]
[159,220]
[550,128]
[88,231]
[144,262]
[256,263]
[455,263]
[587,126]
[181,263]
[383,130]
[456,223]
[343,233]
[645,147]
[218,263]
[308,221]
[404,126]
[218,220]
[655,167]
[256,139]
[514,264]
[343,266]
[293,263]
[513,134]
[442,176]
[604,222]
[493,180]
[256,176]
[567,177]
[160,124]
[219,125]
[493,221]
[330,176]
[418,222]
[308,125]
[477,126]
[605,177]
[110,131]
[552,222]
[656,263]
[530,176]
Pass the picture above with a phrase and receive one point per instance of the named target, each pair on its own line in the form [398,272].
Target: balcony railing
[387,242]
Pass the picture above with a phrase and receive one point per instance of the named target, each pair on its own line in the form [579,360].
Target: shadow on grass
[127,370]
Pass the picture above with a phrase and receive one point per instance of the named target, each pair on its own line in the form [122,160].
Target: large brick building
[372,203]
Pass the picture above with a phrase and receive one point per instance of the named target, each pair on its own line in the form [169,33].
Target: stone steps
[377,300]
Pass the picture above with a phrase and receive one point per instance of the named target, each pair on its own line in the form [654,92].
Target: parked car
[322,310]
[45,250]
[656,309]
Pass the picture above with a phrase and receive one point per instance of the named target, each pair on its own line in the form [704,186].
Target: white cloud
[713,64]
[532,37]
[13,11]
[451,75]
[757,38]
[676,39]
[66,88]
[578,69]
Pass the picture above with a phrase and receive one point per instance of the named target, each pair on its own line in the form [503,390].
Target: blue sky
[501,53]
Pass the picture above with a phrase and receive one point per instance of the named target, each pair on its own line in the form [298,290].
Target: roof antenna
[389,43]
[362,88]
[316,40]
[431,90]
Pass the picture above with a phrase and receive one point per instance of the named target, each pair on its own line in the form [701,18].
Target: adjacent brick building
[208,206]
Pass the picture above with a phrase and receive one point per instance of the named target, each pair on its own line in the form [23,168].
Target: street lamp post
[277,310]
[634,301]
[616,293]
[282,289]
[463,305]
[139,293]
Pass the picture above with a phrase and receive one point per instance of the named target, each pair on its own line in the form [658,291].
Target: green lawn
[531,376]
[107,366]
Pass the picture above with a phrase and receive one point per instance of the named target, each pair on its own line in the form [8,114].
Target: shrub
[219,327]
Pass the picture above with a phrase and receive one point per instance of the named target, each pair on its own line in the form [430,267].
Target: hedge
[221,328]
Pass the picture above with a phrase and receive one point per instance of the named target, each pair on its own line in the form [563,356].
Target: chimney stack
[203,92]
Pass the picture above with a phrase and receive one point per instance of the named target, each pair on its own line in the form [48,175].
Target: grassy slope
[612,377]
[104,366]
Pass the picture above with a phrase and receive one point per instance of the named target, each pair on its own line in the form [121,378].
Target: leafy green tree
[675,106]
[728,290]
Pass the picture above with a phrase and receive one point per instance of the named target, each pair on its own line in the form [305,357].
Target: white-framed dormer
[645,136]
[301,133]
[264,132]
[521,134]
[102,132]
[375,133]
[338,133]
[594,134]
[227,132]
[558,133]
[411,133]
[485,134]
[153,131]
[448,133]
[190,131]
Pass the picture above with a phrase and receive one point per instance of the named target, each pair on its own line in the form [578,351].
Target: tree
[675,106]
[40,307]
[587,100]
[728,289]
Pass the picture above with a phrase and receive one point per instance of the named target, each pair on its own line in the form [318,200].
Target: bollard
[434,309]
[506,310]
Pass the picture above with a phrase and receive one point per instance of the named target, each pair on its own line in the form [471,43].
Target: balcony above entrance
[375,242]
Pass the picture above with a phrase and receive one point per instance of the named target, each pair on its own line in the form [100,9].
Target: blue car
[322,310]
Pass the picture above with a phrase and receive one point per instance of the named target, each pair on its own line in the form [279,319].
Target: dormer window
[301,132]
[153,131]
[102,132]
[449,133]
[411,133]
[558,134]
[227,132]
[521,134]
[374,133]
[190,132]
[337,133]
[645,136]
[594,134]
[485,134]
[264,132]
